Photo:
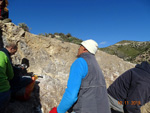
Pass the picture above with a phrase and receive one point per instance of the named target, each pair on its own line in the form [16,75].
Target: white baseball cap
[90,45]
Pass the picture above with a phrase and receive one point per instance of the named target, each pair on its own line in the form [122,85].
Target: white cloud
[102,43]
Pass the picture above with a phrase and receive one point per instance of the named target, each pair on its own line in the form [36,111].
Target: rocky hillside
[52,59]
[132,51]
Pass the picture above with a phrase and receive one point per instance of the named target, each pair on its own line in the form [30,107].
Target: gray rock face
[52,59]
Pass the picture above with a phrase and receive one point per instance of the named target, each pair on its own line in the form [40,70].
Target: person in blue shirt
[86,89]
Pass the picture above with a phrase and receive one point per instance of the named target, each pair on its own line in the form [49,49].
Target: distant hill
[133,51]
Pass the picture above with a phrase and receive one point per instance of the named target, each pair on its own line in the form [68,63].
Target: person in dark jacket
[131,90]
[86,89]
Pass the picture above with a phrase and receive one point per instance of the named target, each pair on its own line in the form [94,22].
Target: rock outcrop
[52,59]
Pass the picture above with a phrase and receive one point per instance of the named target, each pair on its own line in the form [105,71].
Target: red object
[54,110]
[25,93]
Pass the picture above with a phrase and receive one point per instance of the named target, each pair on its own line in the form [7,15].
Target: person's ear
[11,48]
[84,49]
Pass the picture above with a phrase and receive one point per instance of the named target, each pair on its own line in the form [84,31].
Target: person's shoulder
[80,60]
[2,54]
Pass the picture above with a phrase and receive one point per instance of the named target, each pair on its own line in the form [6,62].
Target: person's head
[88,46]
[12,48]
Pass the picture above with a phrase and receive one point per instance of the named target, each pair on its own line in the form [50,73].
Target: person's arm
[137,95]
[9,69]
[120,87]
[5,66]
[78,71]
[133,103]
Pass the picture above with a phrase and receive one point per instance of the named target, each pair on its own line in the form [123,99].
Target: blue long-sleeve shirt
[78,71]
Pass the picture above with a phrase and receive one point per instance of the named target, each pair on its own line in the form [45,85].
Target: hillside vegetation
[61,36]
[132,51]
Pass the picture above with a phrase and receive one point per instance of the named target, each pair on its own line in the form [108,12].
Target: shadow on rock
[33,105]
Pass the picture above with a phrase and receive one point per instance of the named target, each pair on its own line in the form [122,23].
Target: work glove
[54,110]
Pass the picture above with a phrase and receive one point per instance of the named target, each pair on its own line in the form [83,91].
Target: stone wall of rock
[52,59]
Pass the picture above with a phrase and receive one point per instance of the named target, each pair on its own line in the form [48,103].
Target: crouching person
[86,89]
[131,90]
[18,82]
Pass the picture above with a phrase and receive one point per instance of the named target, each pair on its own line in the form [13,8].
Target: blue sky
[105,21]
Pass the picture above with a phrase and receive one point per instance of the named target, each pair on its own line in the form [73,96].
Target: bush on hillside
[24,26]
[68,35]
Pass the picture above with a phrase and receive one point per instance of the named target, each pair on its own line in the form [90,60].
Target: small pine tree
[46,34]
[56,33]
[41,34]
[24,26]
[68,35]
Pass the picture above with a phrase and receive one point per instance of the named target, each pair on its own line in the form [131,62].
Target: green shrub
[63,37]
[68,35]
[24,26]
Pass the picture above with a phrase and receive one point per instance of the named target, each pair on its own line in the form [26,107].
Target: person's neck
[85,51]
[8,51]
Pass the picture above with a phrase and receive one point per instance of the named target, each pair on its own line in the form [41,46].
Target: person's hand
[23,66]
[54,110]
